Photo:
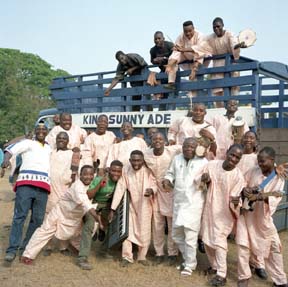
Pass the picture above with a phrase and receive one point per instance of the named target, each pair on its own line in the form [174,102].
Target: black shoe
[65,252]
[217,281]
[105,254]
[9,257]
[210,271]
[172,260]
[101,235]
[84,264]
[144,262]
[159,260]
[261,273]
[124,263]
[47,252]
[201,246]
[95,236]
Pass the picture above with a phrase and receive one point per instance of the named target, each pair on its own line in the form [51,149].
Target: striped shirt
[35,167]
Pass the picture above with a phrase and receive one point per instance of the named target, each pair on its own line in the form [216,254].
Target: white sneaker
[187,271]
[180,267]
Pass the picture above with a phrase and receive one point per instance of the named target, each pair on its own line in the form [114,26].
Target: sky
[82,37]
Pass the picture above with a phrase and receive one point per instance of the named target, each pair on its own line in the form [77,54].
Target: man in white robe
[188,201]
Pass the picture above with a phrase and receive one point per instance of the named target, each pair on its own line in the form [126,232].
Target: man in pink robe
[247,162]
[98,144]
[256,231]
[193,127]
[121,151]
[60,179]
[182,51]
[249,157]
[66,216]
[60,170]
[76,134]
[158,160]
[220,42]
[221,209]
[223,126]
[141,185]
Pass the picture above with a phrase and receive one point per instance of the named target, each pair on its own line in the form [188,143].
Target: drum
[237,130]
[247,36]
[203,145]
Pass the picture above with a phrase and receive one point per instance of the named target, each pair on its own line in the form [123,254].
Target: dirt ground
[58,270]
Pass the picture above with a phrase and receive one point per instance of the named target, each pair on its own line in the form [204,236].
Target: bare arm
[6,163]
[96,217]
[91,192]
[112,85]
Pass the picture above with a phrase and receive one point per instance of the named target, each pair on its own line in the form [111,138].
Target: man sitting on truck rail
[129,64]
[183,52]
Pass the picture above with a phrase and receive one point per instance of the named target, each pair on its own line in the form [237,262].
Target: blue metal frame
[85,93]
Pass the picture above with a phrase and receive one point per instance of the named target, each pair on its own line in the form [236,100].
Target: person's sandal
[26,260]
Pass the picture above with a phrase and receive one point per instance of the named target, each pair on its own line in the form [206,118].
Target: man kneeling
[65,218]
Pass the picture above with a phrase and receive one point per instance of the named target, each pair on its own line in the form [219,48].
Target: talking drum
[203,145]
[237,130]
[247,36]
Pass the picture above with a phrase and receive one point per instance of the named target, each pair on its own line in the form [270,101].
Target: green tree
[24,91]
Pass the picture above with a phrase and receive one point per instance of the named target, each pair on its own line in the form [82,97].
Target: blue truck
[263,101]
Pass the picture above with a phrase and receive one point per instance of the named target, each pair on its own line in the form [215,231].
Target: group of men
[191,45]
[191,183]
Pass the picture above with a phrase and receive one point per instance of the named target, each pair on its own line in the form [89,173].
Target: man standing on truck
[159,56]
[130,64]
[75,133]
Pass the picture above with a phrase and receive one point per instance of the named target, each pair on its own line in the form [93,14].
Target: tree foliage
[24,91]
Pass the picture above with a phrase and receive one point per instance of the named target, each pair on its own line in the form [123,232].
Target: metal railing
[259,86]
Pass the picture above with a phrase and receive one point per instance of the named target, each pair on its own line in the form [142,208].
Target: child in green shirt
[101,191]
